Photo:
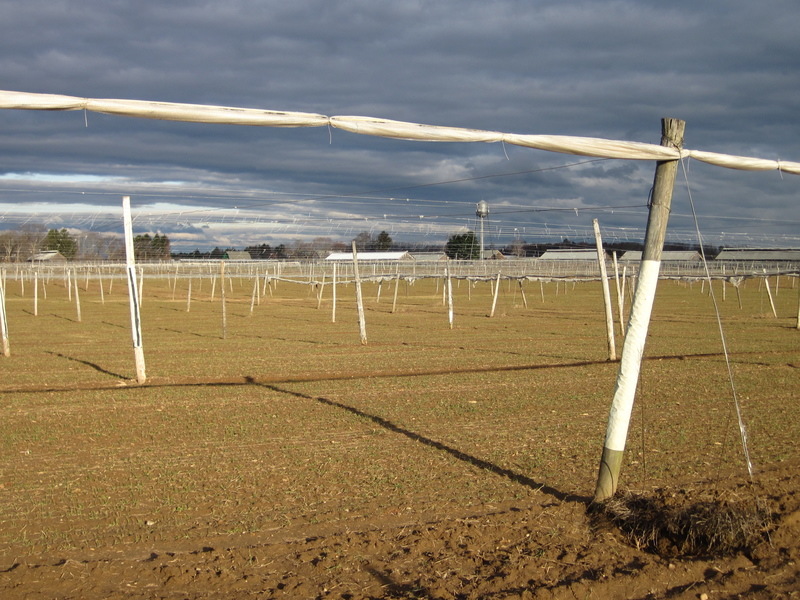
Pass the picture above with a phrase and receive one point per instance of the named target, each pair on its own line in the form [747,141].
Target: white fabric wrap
[630,363]
[200,113]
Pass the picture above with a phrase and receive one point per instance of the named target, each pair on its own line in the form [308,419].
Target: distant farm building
[370,256]
[49,256]
[237,255]
[666,256]
[569,254]
[428,256]
[760,254]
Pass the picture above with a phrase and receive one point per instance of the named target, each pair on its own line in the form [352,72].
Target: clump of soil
[686,524]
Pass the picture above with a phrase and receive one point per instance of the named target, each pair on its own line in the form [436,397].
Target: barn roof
[370,256]
[48,256]
[237,255]
[666,255]
[569,254]
[782,254]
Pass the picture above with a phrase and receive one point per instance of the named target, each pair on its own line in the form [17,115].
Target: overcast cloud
[609,69]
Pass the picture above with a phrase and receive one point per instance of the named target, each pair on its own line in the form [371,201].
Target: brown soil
[289,461]
[546,548]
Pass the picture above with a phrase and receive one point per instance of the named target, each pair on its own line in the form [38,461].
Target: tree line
[24,244]
[20,245]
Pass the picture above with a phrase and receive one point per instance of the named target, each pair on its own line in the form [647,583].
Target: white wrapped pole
[633,348]
[133,292]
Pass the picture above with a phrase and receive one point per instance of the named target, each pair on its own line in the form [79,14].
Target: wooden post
[522,293]
[77,297]
[133,293]
[321,290]
[769,294]
[496,292]
[449,296]
[633,348]
[333,295]
[798,305]
[620,295]
[36,293]
[253,298]
[362,325]
[601,260]
[222,298]
[189,295]
[3,320]
[396,287]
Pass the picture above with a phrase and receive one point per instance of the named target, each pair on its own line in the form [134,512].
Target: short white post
[449,296]
[189,295]
[36,293]
[319,293]
[333,295]
[77,298]
[798,305]
[769,294]
[133,294]
[496,293]
[222,298]
[620,295]
[253,298]
[3,321]
[601,260]
[396,287]
[362,325]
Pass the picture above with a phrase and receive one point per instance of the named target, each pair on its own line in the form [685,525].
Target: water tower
[482,212]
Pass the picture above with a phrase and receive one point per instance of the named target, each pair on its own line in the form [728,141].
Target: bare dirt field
[287,460]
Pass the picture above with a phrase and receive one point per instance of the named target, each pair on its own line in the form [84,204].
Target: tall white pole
[633,348]
[133,292]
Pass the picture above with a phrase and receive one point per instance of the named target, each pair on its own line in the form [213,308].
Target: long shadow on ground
[463,456]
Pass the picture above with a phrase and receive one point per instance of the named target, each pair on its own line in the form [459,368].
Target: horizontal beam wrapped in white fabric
[743,163]
[200,113]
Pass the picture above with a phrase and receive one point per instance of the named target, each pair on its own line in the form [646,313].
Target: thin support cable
[740,419]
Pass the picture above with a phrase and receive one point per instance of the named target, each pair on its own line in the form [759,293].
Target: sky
[602,68]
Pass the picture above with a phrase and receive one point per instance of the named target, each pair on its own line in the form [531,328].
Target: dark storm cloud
[609,69]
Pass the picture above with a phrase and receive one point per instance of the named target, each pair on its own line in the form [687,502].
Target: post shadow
[455,452]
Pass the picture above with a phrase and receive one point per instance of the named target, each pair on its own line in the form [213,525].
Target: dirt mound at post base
[550,549]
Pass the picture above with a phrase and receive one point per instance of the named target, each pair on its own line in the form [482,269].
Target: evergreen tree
[463,246]
[383,242]
[62,241]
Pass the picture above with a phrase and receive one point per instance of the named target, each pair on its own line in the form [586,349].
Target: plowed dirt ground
[284,459]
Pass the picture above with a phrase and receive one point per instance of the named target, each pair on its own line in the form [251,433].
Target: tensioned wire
[735,396]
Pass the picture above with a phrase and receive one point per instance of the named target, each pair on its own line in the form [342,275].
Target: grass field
[288,424]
